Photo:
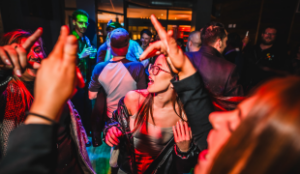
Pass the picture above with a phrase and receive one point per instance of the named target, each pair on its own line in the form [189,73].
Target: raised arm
[190,88]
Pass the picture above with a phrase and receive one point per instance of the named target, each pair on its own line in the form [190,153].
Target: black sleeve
[141,83]
[197,106]
[101,52]
[232,85]
[30,150]
[99,117]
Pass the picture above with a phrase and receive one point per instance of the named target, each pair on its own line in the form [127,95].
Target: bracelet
[37,115]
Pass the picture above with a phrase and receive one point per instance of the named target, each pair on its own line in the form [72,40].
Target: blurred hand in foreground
[56,79]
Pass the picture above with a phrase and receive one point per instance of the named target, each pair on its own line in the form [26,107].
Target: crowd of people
[216,105]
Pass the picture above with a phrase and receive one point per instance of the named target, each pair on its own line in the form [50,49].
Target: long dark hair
[267,141]
[146,110]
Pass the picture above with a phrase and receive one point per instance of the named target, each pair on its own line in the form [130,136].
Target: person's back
[219,75]
[119,75]
[117,78]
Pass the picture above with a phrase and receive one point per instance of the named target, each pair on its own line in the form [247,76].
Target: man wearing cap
[114,78]
[104,53]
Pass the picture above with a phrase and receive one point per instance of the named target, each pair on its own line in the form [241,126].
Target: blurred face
[81,23]
[223,45]
[159,76]
[224,123]
[35,54]
[145,40]
[268,37]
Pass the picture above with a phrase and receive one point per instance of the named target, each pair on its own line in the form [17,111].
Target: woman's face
[35,54]
[161,81]
[224,123]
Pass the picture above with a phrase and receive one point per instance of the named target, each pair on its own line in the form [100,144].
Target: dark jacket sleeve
[185,161]
[197,106]
[232,86]
[30,150]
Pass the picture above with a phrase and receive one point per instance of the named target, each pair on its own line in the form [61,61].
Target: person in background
[146,37]
[85,53]
[17,94]
[264,61]
[104,51]
[233,52]
[219,75]
[194,42]
[114,78]
[295,63]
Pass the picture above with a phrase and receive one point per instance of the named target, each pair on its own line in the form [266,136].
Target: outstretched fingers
[158,27]
[59,46]
[32,39]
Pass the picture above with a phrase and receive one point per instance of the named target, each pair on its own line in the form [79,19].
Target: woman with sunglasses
[154,118]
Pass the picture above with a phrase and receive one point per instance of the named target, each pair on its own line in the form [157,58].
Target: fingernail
[7,62]
[18,73]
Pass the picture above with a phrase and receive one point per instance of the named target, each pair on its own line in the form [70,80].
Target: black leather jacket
[170,161]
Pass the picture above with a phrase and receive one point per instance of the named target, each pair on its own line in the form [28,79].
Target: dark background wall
[31,14]
[246,13]
[49,14]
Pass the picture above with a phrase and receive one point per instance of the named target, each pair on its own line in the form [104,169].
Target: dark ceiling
[171,4]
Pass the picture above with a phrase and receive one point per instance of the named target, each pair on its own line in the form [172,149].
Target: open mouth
[37,60]
[150,81]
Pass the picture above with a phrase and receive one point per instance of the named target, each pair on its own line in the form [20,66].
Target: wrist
[184,150]
[43,108]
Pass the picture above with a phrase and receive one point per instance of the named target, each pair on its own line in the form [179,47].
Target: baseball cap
[119,38]
[114,25]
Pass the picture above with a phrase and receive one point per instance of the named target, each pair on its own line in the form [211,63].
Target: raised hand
[14,56]
[56,78]
[112,136]
[182,136]
[180,64]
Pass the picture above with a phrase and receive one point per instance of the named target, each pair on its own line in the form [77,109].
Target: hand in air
[180,64]
[182,136]
[14,56]
[112,136]
[57,77]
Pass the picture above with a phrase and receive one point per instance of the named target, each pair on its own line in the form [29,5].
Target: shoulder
[103,46]
[99,67]
[134,98]
[134,64]
[133,42]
